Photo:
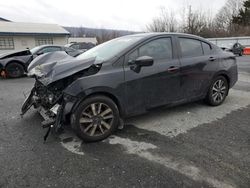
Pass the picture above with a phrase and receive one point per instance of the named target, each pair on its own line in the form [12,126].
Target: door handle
[173,69]
[212,59]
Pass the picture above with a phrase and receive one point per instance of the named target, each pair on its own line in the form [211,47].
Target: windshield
[109,49]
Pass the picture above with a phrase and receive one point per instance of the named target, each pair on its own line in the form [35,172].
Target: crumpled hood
[54,66]
[48,58]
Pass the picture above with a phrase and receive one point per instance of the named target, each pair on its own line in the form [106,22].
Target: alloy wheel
[219,91]
[96,119]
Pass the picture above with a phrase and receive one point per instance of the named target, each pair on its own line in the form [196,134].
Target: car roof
[155,34]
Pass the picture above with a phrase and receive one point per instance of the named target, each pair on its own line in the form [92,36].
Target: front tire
[14,70]
[96,118]
[218,91]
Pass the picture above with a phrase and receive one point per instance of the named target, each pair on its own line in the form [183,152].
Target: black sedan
[14,64]
[128,76]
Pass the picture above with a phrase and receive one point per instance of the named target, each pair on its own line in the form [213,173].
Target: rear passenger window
[157,49]
[190,47]
[206,48]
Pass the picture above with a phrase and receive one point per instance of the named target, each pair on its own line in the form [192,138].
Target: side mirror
[144,61]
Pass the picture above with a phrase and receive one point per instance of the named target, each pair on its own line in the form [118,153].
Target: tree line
[233,19]
[102,35]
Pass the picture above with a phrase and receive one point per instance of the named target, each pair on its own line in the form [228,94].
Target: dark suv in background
[236,49]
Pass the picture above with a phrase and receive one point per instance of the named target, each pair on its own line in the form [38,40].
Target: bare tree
[200,22]
[223,20]
[156,26]
[114,34]
[196,22]
[193,22]
[165,22]
[106,35]
[81,32]
[103,36]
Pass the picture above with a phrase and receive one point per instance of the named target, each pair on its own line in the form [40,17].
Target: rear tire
[14,70]
[218,91]
[96,118]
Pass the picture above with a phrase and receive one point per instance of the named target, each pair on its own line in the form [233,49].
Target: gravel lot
[192,145]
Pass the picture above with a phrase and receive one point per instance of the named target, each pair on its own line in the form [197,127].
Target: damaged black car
[125,77]
[14,64]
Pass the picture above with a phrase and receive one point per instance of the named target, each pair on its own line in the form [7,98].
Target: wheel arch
[224,74]
[208,97]
[221,73]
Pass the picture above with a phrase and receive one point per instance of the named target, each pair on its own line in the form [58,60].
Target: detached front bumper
[52,117]
[49,116]
[54,107]
[28,102]
[56,115]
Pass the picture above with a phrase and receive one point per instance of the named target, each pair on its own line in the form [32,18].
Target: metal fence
[230,41]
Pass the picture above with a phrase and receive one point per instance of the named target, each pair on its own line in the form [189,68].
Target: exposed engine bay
[53,93]
[50,99]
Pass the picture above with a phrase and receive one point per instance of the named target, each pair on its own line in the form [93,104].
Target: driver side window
[157,49]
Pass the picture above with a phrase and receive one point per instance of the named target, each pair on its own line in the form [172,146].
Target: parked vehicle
[129,76]
[83,46]
[236,49]
[14,64]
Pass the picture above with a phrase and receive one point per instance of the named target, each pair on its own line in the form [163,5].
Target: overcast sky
[113,14]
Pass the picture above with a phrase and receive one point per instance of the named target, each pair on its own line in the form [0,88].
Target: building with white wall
[18,36]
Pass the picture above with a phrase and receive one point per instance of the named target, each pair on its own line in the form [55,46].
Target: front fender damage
[53,104]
